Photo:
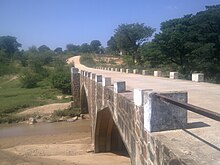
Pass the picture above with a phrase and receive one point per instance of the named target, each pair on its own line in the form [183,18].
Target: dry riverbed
[51,143]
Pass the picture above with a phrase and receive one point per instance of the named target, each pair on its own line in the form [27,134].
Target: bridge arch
[107,136]
[83,101]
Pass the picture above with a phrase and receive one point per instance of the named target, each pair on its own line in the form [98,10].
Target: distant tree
[72,48]
[9,45]
[112,45]
[43,48]
[85,48]
[129,37]
[33,49]
[58,50]
[95,46]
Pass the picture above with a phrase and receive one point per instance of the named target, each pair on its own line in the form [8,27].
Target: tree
[9,45]
[129,37]
[95,46]
[72,48]
[192,42]
[58,50]
[85,48]
[112,45]
[43,48]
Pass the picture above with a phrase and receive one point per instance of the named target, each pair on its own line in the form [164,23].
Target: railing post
[160,115]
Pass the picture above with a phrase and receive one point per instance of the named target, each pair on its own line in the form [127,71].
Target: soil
[52,143]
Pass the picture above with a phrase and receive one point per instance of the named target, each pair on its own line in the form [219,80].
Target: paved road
[200,141]
[205,95]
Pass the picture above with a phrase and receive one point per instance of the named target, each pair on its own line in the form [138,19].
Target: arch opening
[107,136]
[84,101]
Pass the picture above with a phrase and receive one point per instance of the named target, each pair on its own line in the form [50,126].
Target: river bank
[52,143]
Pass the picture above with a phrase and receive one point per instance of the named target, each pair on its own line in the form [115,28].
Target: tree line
[188,44]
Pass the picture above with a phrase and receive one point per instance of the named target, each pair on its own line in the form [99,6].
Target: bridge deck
[201,140]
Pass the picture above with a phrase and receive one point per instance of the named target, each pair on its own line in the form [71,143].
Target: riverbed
[52,143]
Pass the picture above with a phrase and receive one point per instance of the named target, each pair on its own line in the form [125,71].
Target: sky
[56,23]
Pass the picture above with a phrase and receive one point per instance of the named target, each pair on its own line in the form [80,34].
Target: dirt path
[46,109]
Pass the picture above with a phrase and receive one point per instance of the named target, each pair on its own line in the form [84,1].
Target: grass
[14,99]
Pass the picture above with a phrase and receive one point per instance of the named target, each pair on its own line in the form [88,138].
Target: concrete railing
[196,77]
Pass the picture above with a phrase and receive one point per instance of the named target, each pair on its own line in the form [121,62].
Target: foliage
[9,45]
[72,48]
[189,44]
[28,79]
[87,60]
[58,50]
[61,80]
[129,37]
[43,48]
[85,48]
[13,98]
[95,46]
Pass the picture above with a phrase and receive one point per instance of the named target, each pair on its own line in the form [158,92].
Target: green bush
[62,80]
[28,79]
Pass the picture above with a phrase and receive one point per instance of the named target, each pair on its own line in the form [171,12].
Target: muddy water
[52,143]
[15,134]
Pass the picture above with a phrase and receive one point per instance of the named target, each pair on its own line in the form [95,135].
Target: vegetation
[30,78]
[188,44]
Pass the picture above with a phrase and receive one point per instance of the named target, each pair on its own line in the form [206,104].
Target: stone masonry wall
[142,146]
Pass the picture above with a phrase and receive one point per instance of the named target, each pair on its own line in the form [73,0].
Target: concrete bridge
[127,116]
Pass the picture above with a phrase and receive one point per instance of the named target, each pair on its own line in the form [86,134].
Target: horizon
[56,24]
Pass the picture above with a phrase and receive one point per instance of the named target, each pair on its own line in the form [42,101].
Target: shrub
[28,79]
[62,80]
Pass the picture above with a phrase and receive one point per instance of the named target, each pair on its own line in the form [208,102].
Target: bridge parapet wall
[130,118]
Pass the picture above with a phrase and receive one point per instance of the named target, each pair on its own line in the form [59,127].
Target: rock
[72,119]
[32,120]
[62,118]
[85,116]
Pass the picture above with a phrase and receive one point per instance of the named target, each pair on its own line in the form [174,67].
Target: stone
[72,119]
[32,120]
[122,70]
[106,81]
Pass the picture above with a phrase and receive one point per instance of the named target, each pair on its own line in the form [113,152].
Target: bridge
[130,115]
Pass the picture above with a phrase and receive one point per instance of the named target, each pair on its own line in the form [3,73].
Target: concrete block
[74,70]
[135,71]
[144,72]
[116,69]
[93,76]
[128,70]
[160,115]
[157,74]
[106,81]
[174,75]
[98,78]
[122,70]
[112,69]
[198,77]
[138,97]
[119,87]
